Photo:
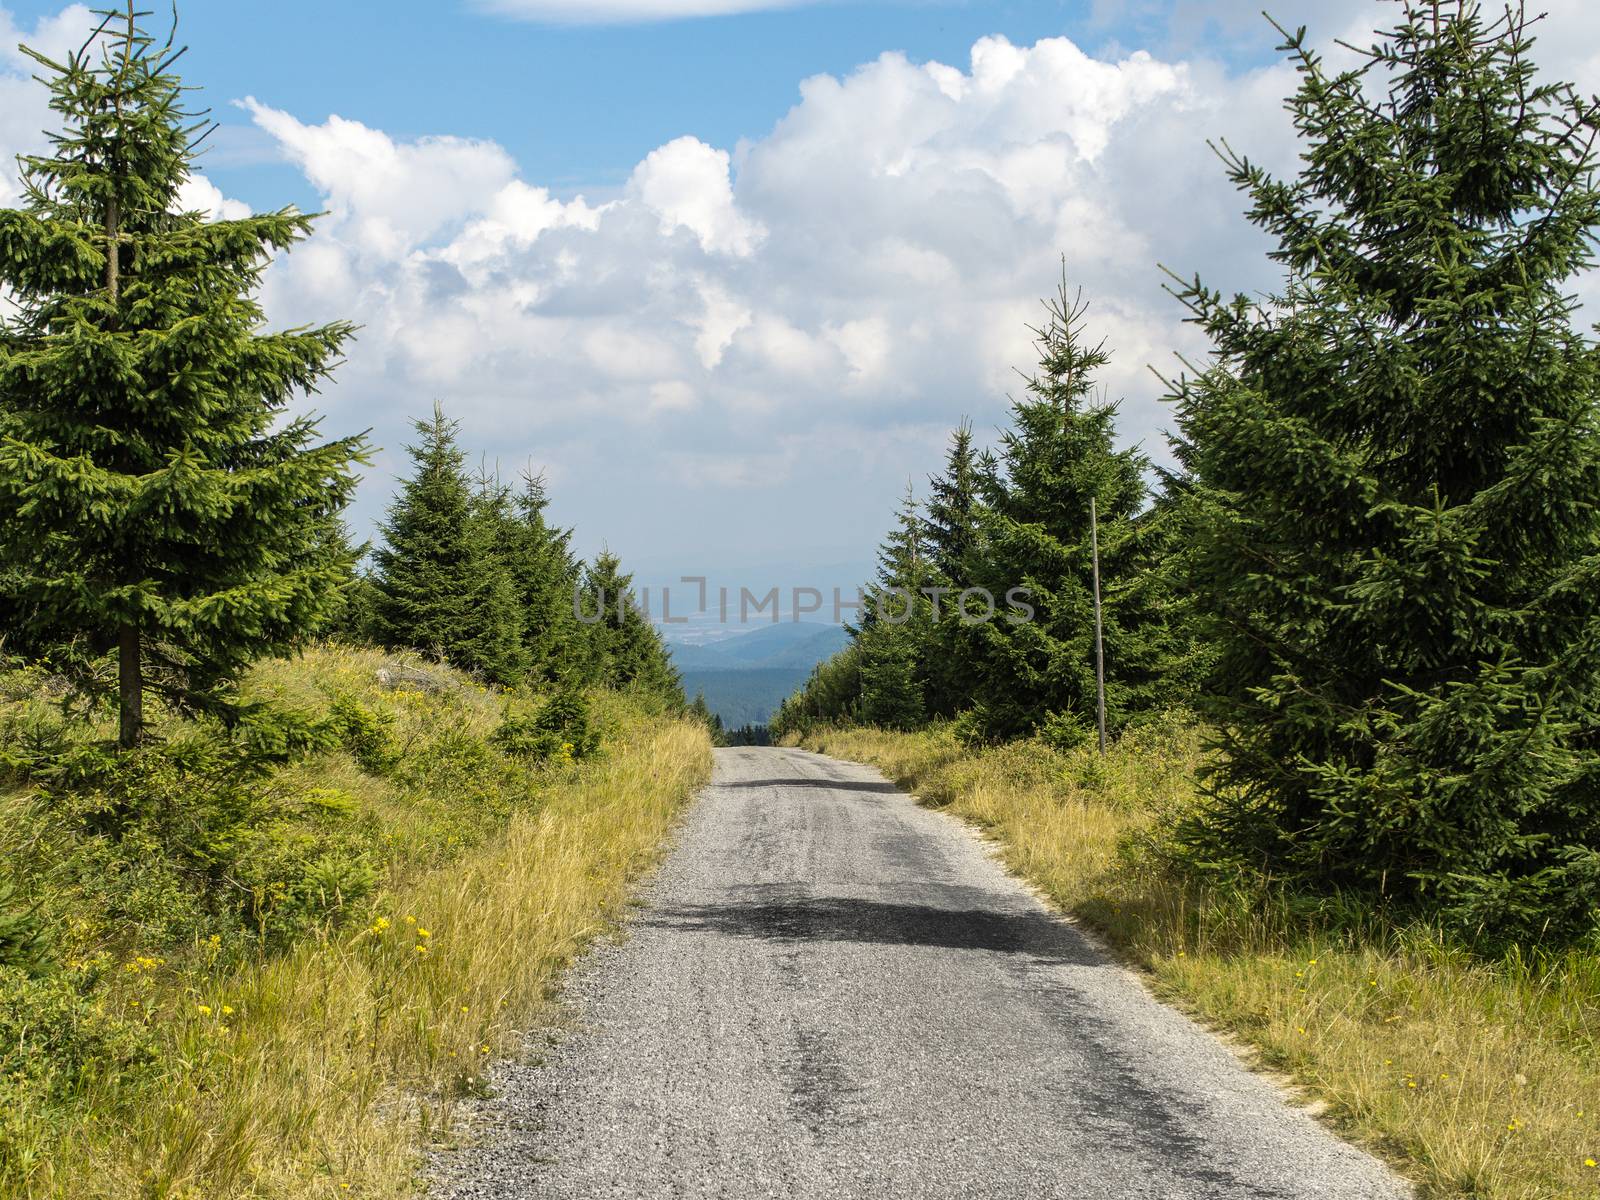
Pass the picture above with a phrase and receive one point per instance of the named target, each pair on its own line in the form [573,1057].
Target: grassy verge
[288,1003]
[1480,1079]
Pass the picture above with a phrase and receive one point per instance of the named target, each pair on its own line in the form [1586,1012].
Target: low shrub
[561,728]
[368,734]
[24,940]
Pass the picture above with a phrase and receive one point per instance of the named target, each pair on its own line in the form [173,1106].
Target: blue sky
[730,280]
[578,105]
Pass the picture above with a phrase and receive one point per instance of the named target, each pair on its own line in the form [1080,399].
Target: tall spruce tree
[1158,580]
[1400,462]
[495,646]
[155,495]
[545,574]
[623,647]
[950,527]
[427,563]
[1034,533]
[895,626]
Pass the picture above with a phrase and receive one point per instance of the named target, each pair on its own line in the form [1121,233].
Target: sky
[728,271]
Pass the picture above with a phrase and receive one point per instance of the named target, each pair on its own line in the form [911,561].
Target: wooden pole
[1099,643]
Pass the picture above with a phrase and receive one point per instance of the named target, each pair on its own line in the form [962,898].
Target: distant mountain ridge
[794,644]
[745,677]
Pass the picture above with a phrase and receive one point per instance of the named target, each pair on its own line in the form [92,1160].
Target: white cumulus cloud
[199,194]
[686,183]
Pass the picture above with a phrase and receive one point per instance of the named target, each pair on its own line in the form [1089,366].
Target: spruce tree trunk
[130,687]
[130,675]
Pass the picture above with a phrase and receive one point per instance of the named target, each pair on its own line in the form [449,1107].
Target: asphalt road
[831,992]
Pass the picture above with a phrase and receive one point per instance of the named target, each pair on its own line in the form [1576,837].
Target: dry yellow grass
[1479,1079]
[324,1071]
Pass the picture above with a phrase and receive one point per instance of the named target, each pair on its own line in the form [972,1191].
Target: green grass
[1477,1078]
[280,985]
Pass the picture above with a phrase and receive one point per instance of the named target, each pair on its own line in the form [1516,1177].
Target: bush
[367,734]
[24,942]
[562,727]
[1065,731]
[32,735]
[191,837]
[302,879]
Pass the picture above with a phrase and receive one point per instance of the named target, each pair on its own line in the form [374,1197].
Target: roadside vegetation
[1478,1076]
[288,848]
[232,971]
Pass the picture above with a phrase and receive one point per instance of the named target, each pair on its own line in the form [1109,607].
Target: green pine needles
[1034,533]
[157,496]
[472,573]
[1398,462]
[440,579]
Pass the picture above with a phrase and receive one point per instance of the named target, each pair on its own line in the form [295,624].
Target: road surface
[832,992]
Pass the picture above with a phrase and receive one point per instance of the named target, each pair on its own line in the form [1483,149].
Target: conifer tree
[891,689]
[1400,461]
[1034,533]
[545,574]
[950,528]
[155,495]
[624,649]
[701,711]
[427,563]
[903,567]
[1157,580]
[495,645]
[896,625]
[831,694]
